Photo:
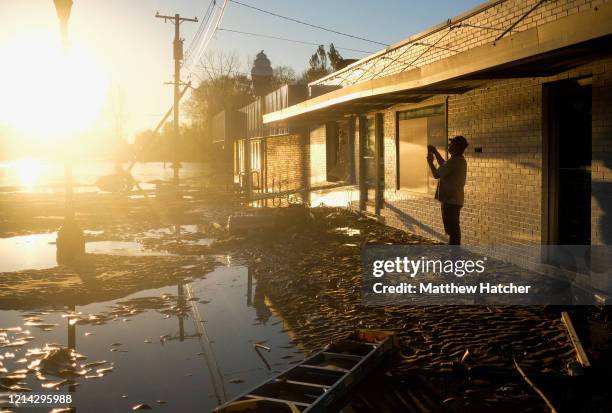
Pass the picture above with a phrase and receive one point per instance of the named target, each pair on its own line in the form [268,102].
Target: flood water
[189,346]
[32,175]
[38,251]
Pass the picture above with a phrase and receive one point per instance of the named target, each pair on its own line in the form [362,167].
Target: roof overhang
[541,51]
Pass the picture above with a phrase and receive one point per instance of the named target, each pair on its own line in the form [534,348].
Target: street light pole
[70,241]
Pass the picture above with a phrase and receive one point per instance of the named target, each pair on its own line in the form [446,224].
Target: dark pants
[450,218]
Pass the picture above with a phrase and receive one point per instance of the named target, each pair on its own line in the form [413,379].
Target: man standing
[451,175]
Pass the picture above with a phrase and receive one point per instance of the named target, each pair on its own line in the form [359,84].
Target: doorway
[567,159]
[371,163]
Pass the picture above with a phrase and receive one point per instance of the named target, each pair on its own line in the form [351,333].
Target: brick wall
[459,35]
[318,158]
[298,161]
[504,184]
[286,162]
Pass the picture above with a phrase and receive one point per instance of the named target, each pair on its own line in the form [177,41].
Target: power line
[200,36]
[208,37]
[197,37]
[289,40]
[307,24]
[203,23]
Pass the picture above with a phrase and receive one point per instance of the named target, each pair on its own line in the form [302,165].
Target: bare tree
[283,75]
[223,85]
[217,64]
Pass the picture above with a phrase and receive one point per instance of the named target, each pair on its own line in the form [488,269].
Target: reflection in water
[38,251]
[250,287]
[208,351]
[181,304]
[35,251]
[71,341]
[258,301]
[261,309]
[338,197]
[208,360]
[33,175]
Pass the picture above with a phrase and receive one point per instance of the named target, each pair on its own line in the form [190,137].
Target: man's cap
[460,140]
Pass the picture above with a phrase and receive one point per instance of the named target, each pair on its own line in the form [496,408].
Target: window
[240,159]
[255,155]
[239,165]
[418,128]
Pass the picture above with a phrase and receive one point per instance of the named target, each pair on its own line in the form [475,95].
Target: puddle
[348,231]
[38,251]
[28,252]
[339,197]
[120,248]
[189,345]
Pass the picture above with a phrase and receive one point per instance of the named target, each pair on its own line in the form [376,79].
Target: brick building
[528,83]
[279,163]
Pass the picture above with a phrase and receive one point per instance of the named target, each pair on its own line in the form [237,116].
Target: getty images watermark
[442,274]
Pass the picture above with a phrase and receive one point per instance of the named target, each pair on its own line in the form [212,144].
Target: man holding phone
[451,177]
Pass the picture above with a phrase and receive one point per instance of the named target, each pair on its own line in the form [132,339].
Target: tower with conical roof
[261,74]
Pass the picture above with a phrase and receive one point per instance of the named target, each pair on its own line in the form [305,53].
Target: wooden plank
[302,383]
[336,369]
[351,357]
[272,399]
[580,353]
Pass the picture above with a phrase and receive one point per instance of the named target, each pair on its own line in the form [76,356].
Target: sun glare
[49,93]
[28,171]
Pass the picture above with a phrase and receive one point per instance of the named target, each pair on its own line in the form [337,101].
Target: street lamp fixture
[70,241]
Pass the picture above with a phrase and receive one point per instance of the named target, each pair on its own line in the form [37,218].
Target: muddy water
[189,346]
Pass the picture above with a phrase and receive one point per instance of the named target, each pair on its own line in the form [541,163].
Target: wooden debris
[534,387]
[580,353]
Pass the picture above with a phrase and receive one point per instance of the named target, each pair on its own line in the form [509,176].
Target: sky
[131,50]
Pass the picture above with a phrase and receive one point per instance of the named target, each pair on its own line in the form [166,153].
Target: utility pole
[178,57]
